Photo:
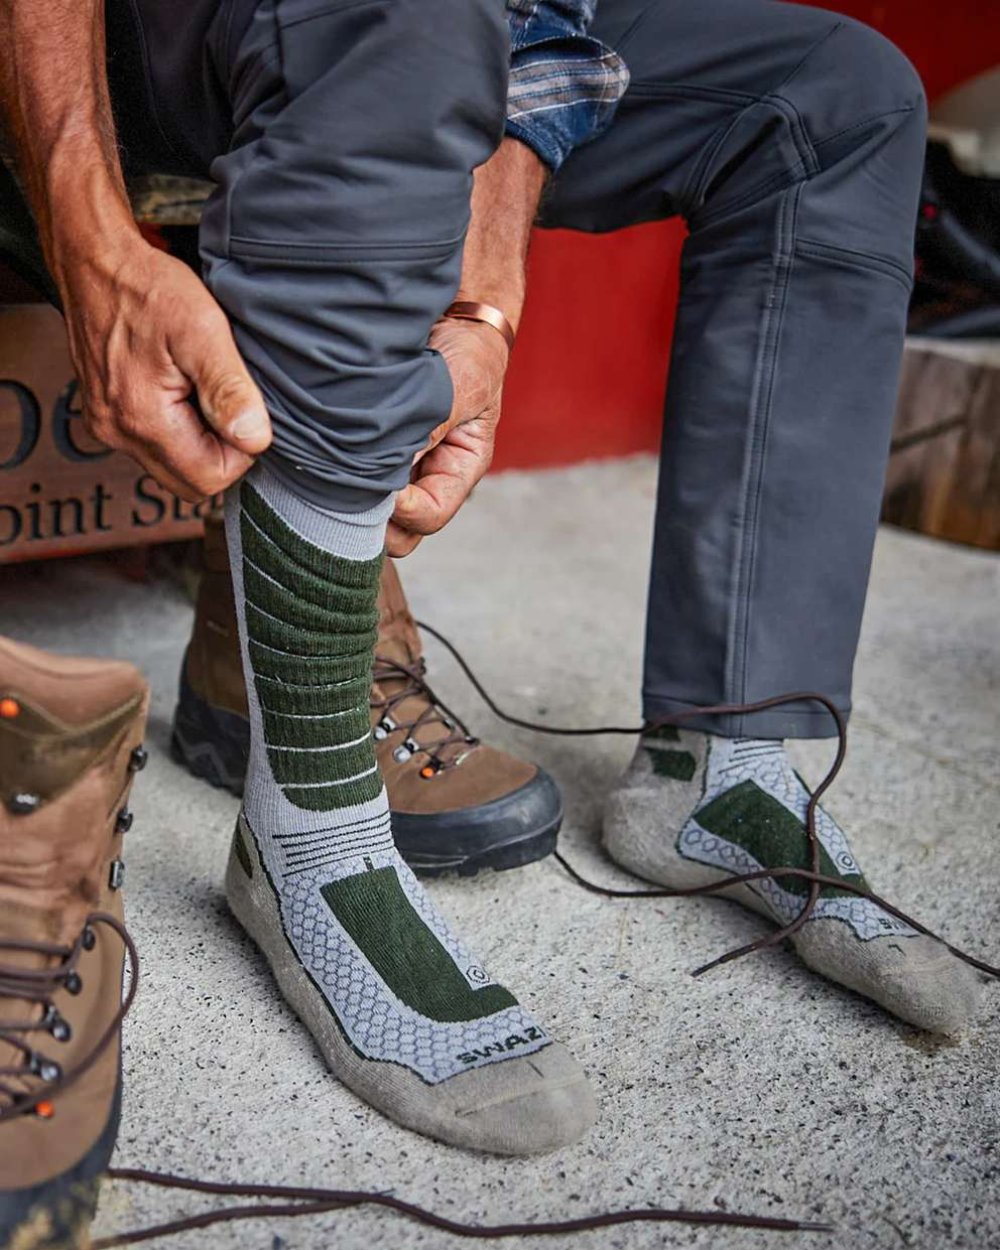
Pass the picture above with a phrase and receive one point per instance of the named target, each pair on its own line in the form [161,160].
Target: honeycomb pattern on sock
[405,1019]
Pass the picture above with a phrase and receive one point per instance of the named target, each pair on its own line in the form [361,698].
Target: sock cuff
[351,535]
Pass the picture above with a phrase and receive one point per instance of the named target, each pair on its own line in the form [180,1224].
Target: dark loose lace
[281,1200]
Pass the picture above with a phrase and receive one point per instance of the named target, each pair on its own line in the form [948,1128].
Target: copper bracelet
[472,310]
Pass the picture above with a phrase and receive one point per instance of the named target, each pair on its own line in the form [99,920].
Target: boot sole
[211,743]
[516,829]
[500,835]
[56,1214]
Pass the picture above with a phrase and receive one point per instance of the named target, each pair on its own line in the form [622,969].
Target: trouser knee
[841,138]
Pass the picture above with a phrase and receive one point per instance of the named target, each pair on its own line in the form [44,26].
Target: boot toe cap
[505,832]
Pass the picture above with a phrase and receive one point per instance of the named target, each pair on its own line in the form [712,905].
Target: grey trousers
[342,136]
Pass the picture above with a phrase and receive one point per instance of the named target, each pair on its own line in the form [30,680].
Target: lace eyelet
[383,729]
[88,939]
[138,760]
[123,821]
[23,804]
[46,1069]
[59,1028]
[73,983]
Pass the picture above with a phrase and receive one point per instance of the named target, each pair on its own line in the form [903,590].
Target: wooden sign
[61,493]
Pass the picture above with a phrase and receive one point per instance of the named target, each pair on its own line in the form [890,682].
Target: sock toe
[535,1104]
[526,1105]
[916,978]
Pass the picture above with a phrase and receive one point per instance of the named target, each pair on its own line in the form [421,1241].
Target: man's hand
[504,200]
[149,343]
[147,339]
[460,450]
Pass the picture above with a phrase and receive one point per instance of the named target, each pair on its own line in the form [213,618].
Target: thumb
[227,395]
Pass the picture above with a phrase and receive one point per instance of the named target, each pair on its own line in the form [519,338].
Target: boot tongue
[399,643]
[398,637]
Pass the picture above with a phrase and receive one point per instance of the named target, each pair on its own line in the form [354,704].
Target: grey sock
[693,808]
[403,1012]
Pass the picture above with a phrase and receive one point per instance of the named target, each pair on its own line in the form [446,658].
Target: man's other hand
[459,451]
[160,374]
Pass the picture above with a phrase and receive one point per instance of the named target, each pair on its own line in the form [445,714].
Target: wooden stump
[944,472]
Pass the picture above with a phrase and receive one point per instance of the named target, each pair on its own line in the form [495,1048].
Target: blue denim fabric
[564,84]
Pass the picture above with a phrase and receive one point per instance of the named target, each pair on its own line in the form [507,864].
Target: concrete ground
[759,1087]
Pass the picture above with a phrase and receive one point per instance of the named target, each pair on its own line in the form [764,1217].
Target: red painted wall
[589,370]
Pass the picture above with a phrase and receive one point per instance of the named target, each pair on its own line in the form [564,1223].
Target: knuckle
[204,484]
[100,426]
[207,320]
[227,389]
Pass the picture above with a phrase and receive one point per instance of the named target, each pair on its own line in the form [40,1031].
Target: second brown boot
[70,745]
[458,805]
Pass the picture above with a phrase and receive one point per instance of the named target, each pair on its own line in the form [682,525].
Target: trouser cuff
[797,720]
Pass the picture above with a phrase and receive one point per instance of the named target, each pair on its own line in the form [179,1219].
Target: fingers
[171,442]
[399,542]
[428,504]
[161,377]
[204,350]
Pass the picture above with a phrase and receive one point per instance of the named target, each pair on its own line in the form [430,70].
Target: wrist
[505,294]
[87,221]
[100,248]
[485,314]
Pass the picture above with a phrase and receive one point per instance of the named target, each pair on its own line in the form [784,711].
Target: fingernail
[250,425]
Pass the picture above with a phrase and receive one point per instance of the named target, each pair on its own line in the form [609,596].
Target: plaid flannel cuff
[564,85]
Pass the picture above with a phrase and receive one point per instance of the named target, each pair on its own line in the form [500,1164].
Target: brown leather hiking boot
[457,805]
[70,745]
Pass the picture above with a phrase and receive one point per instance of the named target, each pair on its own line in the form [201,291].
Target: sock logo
[530,1034]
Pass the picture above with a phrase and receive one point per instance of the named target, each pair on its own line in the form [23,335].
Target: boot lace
[32,1085]
[409,681]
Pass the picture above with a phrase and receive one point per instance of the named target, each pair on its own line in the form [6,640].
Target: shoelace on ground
[445,752]
[317,1201]
[307,1201]
[36,985]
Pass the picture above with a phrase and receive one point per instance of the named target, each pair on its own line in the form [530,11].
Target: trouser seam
[865,121]
[690,90]
[254,143]
[805,166]
[837,26]
[853,259]
[761,400]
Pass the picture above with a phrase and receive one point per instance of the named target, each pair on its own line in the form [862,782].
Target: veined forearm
[57,114]
[505,199]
